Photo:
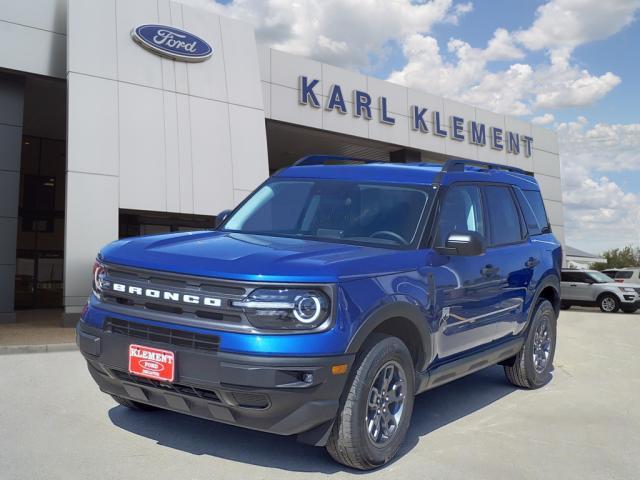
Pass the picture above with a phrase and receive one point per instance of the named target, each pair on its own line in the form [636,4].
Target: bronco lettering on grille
[167,295]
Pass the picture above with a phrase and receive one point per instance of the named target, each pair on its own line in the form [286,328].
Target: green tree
[619,258]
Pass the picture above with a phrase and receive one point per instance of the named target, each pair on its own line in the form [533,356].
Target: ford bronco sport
[329,298]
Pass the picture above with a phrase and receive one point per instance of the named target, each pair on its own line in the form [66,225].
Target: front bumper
[261,393]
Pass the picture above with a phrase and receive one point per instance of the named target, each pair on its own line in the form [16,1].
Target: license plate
[151,363]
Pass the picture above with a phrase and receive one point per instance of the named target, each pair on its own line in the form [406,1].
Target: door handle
[573,285]
[532,262]
[489,270]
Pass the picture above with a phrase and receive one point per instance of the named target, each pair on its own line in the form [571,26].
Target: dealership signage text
[477,132]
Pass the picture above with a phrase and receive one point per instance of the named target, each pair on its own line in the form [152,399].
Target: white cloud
[545,119]
[599,213]
[565,24]
[346,33]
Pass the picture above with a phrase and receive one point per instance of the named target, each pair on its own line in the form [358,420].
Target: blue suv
[329,298]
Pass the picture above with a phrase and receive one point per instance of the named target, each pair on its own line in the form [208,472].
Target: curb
[54,347]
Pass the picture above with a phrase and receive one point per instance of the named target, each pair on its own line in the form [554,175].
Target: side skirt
[456,369]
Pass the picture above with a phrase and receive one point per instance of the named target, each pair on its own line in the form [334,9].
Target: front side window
[353,212]
[504,218]
[623,274]
[461,211]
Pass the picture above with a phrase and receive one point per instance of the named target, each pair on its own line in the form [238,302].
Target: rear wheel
[133,405]
[532,366]
[375,416]
[608,303]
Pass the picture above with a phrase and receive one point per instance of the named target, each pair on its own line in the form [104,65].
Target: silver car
[590,288]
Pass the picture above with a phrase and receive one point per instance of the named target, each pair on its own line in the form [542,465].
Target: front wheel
[375,416]
[609,303]
[532,366]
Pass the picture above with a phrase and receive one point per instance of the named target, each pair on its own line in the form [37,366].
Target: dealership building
[128,117]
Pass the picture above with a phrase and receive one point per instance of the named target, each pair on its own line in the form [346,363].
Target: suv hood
[258,257]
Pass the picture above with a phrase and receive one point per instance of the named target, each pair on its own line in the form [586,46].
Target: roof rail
[330,160]
[458,165]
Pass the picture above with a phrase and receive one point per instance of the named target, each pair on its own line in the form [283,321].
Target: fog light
[307,377]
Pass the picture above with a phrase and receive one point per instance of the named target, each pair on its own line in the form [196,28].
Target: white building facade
[102,138]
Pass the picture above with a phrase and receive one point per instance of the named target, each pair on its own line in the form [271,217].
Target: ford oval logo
[172,43]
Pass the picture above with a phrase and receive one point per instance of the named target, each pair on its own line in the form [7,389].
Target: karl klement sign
[478,133]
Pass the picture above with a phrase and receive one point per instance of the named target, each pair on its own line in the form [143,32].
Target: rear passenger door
[514,258]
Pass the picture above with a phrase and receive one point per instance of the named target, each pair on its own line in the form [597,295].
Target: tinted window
[461,211]
[624,274]
[533,227]
[535,200]
[504,219]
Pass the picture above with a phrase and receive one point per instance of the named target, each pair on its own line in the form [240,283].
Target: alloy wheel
[385,405]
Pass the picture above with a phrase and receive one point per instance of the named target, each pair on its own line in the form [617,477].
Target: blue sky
[569,65]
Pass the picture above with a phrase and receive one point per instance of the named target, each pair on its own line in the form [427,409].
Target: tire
[608,303]
[350,442]
[133,405]
[524,371]
[629,309]
[565,306]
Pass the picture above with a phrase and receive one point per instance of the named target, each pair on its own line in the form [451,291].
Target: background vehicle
[331,296]
[611,272]
[628,275]
[590,288]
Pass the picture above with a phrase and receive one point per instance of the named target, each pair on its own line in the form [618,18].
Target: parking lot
[584,424]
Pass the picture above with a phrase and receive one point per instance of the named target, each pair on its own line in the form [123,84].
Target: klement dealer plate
[151,363]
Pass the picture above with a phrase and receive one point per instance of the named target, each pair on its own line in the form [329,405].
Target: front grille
[637,290]
[205,394]
[179,286]
[169,336]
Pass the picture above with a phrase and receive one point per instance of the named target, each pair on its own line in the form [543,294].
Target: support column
[11,109]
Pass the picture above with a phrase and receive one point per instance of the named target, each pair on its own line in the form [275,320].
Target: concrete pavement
[55,423]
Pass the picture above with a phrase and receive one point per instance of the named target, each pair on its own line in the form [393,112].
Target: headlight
[627,289]
[99,278]
[285,309]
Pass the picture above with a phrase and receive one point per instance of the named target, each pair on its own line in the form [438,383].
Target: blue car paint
[366,277]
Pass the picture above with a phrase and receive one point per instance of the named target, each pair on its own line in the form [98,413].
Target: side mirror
[465,243]
[221,217]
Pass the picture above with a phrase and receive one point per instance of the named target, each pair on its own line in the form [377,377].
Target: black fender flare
[402,309]
[548,281]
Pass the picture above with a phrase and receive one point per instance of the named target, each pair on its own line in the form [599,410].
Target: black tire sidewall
[537,379]
[390,348]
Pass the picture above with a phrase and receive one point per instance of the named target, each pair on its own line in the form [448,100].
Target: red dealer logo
[151,363]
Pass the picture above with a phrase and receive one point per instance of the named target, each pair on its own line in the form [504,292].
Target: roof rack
[458,165]
[310,160]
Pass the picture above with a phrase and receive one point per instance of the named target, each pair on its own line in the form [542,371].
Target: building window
[140,222]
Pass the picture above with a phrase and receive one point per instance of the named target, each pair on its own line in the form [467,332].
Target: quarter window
[504,218]
[461,211]
[535,200]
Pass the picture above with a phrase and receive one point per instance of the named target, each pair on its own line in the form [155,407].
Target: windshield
[335,210]
[600,277]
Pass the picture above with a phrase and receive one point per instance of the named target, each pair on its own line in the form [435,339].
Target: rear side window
[624,274]
[535,200]
[530,218]
[504,218]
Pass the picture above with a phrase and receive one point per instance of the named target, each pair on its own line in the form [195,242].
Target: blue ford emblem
[172,42]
